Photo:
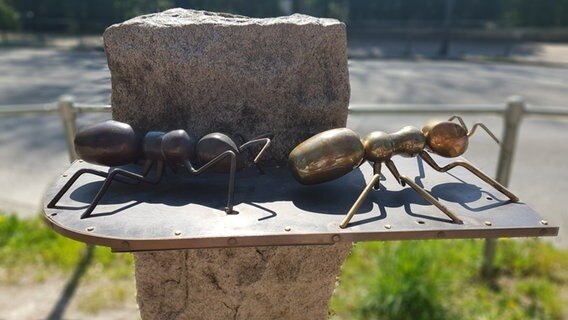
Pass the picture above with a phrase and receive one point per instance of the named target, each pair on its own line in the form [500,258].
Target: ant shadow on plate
[260,190]
[459,192]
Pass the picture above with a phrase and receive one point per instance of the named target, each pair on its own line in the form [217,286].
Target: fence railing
[512,112]
[68,111]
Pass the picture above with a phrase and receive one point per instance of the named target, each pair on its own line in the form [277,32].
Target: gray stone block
[206,72]
[288,282]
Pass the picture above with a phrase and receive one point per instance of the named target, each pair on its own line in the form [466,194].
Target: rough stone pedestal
[238,283]
[206,72]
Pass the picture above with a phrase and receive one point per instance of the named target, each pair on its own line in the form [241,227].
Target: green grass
[30,243]
[439,279]
[31,252]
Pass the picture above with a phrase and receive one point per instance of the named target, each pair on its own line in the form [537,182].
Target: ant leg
[117,172]
[69,183]
[403,180]
[374,183]
[231,192]
[233,170]
[428,159]
[72,180]
[145,170]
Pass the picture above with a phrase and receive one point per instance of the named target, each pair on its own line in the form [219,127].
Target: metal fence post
[66,108]
[512,120]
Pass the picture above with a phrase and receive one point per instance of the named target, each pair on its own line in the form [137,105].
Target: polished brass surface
[378,146]
[461,163]
[403,180]
[408,141]
[357,204]
[447,139]
[373,184]
[326,156]
[314,161]
[431,199]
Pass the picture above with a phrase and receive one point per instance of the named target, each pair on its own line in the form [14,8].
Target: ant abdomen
[109,143]
[326,156]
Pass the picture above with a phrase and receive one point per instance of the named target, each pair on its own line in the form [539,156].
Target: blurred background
[416,56]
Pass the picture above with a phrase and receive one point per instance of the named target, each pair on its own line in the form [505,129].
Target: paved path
[32,149]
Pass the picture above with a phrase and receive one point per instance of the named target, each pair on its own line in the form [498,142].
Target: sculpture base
[185,212]
[286,282]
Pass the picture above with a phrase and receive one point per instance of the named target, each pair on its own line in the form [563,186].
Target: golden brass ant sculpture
[333,153]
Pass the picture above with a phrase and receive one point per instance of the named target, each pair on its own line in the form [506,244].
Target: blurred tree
[269,8]
[89,16]
[9,17]
[127,9]
[533,13]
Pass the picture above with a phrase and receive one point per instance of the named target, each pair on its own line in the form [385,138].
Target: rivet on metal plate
[53,214]
[387,226]
[335,238]
[488,223]
[177,233]
[544,222]
[288,228]
[90,229]
[65,175]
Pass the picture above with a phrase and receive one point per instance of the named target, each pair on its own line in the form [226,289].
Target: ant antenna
[462,123]
[486,130]
[470,133]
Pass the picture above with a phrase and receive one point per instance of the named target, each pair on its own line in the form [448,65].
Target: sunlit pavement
[33,152]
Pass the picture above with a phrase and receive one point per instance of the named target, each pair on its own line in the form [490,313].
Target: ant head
[178,146]
[447,139]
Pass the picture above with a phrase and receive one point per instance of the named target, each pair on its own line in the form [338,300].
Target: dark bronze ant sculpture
[333,153]
[112,143]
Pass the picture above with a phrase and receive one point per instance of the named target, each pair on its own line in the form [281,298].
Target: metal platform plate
[184,211]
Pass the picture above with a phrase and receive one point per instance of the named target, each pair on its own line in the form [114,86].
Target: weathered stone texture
[206,72]
[238,283]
